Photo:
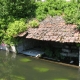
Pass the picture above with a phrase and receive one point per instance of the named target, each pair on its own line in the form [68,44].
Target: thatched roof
[55,29]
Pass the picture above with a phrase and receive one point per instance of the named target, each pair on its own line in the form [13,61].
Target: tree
[14,10]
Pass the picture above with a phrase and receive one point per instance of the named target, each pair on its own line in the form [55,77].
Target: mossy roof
[55,29]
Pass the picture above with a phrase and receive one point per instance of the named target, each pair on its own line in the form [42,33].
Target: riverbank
[53,61]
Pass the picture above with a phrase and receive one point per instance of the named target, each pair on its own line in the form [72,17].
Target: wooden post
[79,56]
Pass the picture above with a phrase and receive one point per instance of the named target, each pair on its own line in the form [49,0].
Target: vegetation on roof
[15,15]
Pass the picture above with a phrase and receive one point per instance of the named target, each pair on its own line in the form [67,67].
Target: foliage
[48,52]
[41,10]
[13,29]
[22,8]
[10,17]
[16,27]
[17,8]
[34,23]
[13,11]
[50,7]
[69,11]
[3,8]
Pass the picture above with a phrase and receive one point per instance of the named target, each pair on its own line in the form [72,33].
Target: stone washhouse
[55,33]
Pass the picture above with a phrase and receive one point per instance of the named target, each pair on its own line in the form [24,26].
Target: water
[26,68]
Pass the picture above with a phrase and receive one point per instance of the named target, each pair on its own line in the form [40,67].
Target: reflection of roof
[55,29]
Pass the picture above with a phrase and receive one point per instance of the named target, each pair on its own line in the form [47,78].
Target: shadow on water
[21,67]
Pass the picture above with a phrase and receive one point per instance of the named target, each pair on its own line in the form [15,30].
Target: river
[22,67]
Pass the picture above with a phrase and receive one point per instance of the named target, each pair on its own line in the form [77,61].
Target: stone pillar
[13,49]
[79,56]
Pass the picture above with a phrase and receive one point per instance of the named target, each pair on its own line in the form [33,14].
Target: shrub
[69,11]
[33,23]
[13,29]
[41,10]
[16,27]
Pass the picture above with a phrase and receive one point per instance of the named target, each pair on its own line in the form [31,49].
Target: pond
[22,67]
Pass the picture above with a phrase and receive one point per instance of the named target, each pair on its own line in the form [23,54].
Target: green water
[27,68]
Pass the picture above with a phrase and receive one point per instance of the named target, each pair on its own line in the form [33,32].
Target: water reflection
[7,53]
[41,69]
[78,78]
[20,67]
[6,65]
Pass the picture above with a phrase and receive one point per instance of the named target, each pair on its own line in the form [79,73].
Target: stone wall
[8,48]
[66,48]
[26,44]
[4,47]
